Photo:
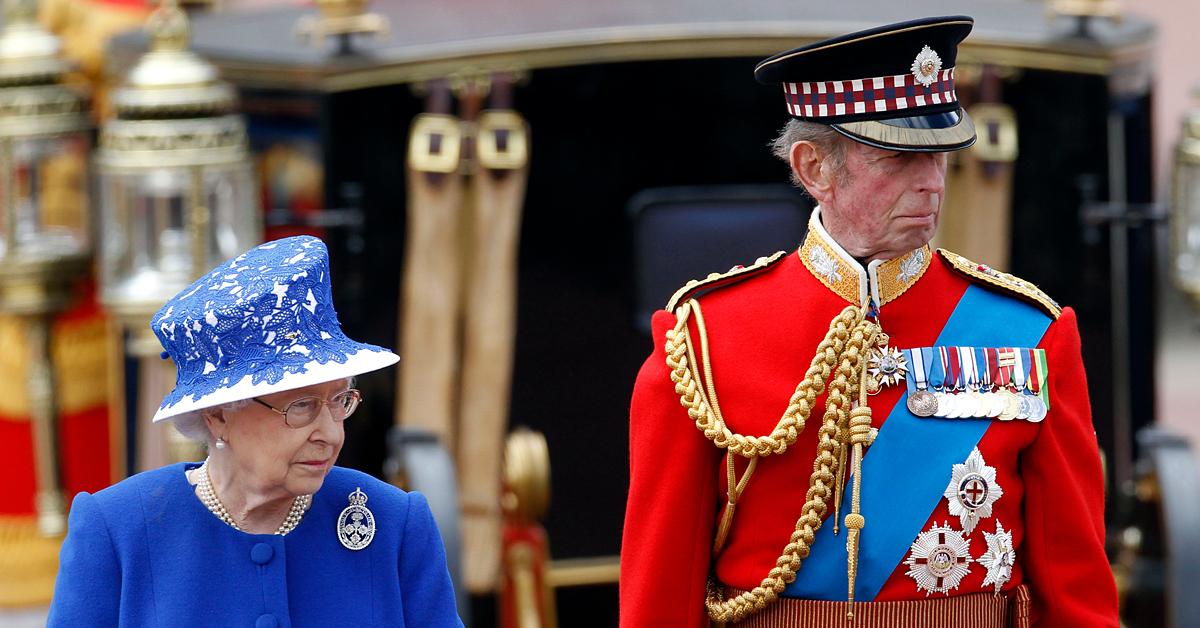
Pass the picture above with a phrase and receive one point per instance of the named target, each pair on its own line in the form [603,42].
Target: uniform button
[261,554]
[266,621]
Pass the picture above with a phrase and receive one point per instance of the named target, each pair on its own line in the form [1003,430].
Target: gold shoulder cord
[839,363]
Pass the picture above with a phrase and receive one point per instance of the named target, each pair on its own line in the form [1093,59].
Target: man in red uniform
[903,435]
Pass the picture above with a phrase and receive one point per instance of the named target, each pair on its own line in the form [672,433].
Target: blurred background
[508,189]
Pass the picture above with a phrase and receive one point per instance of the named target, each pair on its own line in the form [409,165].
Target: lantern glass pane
[1186,230]
[45,197]
[237,224]
[152,218]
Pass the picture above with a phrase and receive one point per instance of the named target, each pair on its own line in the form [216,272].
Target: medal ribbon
[937,368]
[954,381]
[1004,368]
[985,369]
[927,361]
[916,375]
[970,372]
[1031,383]
[1042,375]
[895,509]
[993,367]
[1019,370]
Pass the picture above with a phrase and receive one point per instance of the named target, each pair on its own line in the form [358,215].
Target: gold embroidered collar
[882,280]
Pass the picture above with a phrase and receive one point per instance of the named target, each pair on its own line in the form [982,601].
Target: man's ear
[808,161]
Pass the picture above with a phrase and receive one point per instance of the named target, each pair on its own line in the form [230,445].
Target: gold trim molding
[649,43]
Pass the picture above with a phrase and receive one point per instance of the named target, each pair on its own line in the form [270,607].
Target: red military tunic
[763,330]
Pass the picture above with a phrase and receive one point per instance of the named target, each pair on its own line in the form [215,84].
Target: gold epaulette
[1010,284]
[717,280]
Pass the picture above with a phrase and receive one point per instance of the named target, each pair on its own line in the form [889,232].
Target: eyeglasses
[305,410]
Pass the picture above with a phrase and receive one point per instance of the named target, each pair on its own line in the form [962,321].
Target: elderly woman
[267,531]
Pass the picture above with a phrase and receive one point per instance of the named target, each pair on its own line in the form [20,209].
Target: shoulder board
[1015,286]
[718,280]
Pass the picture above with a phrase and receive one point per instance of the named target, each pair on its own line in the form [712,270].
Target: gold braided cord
[733,485]
[681,361]
[839,483]
[709,387]
[860,437]
[735,488]
[838,359]
[843,445]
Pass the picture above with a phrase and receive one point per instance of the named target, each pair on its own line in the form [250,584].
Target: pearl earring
[220,443]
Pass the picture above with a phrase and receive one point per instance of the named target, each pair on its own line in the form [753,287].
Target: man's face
[885,203]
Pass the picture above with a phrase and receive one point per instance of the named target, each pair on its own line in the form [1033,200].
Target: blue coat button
[266,621]
[261,554]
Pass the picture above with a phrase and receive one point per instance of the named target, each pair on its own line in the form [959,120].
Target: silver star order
[972,491]
[939,559]
[999,558]
[887,365]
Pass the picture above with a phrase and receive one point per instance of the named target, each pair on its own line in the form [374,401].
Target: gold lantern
[45,246]
[1185,212]
[177,196]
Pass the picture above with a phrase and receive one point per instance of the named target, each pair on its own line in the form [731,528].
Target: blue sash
[906,470]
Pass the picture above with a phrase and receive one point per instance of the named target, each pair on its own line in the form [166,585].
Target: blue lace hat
[261,323]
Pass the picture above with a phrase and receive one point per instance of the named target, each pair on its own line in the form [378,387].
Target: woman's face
[268,456]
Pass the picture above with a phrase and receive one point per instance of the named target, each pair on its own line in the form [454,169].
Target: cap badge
[926,66]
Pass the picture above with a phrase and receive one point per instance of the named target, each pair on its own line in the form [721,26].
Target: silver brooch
[926,66]
[939,559]
[972,490]
[999,557]
[356,524]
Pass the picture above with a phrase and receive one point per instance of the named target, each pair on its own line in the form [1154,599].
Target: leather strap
[499,171]
[431,295]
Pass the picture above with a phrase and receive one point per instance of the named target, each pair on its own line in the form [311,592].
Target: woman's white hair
[193,426]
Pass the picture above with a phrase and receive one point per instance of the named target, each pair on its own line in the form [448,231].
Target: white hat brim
[362,361]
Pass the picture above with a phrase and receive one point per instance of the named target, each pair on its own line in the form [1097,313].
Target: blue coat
[146,552]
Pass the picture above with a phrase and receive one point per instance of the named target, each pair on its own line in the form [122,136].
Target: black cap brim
[933,133]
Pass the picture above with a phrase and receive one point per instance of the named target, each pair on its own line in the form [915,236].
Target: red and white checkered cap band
[827,99]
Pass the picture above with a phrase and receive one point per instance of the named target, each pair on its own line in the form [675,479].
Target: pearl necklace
[209,497]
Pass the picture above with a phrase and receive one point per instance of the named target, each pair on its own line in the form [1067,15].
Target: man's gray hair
[831,143]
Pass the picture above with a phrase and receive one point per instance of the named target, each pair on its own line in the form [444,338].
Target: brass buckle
[509,153]
[996,126]
[435,143]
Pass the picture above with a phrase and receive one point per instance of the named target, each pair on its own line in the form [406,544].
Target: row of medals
[1002,404]
[889,367]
